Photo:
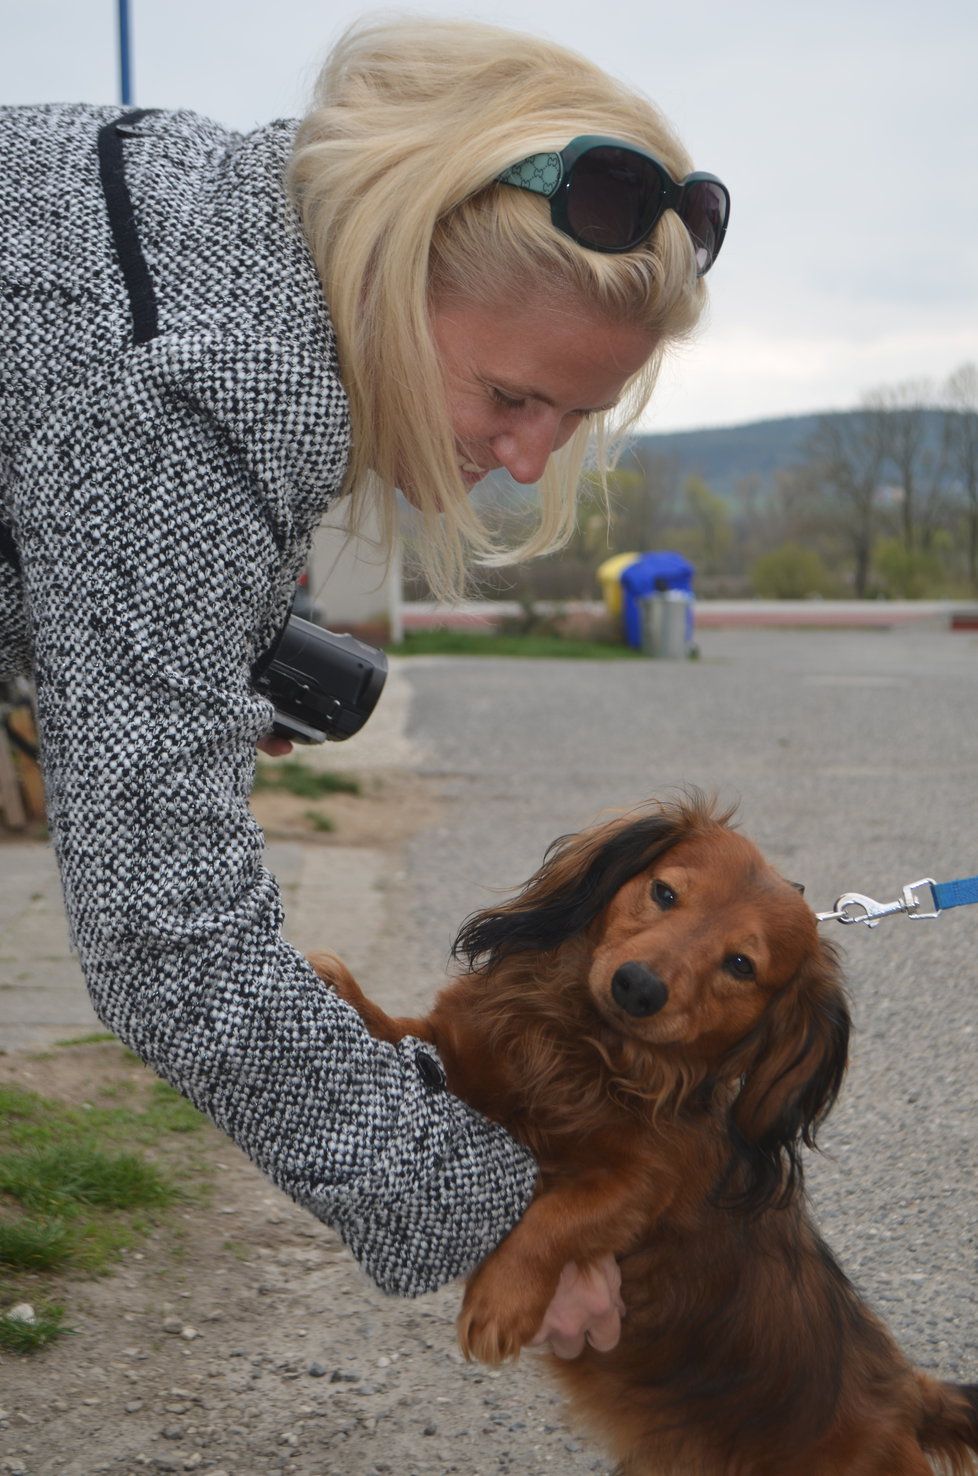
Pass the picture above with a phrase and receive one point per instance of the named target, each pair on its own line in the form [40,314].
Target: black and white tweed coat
[162,496]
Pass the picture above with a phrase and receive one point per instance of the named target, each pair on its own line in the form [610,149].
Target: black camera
[323,686]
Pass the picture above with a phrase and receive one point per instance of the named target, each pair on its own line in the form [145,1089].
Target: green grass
[28,1337]
[36,1244]
[52,1178]
[98,1037]
[473,643]
[319,822]
[76,1190]
[168,1112]
[293,776]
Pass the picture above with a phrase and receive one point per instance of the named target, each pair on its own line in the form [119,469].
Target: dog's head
[699,951]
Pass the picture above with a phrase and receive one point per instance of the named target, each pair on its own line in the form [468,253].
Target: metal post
[395,595]
[125,70]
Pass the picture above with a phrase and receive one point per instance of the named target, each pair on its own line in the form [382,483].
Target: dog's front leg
[334,972]
[507,1296]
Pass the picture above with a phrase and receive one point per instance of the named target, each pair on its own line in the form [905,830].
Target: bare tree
[642,491]
[918,459]
[848,453]
[961,445]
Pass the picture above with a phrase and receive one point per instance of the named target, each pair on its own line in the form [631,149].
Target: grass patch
[28,1337]
[168,1112]
[68,1174]
[98,1037]
[473,643]
[76,1191]
[293,776]
[35,1245]
[319,822]
[238,1249]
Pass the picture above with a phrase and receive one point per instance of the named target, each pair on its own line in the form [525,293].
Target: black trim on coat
[8,548]
[122,220]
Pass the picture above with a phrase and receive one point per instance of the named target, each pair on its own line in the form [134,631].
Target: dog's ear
[792,1067]
[580,875]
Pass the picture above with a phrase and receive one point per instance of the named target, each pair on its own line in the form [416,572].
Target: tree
[919,464]
[961,446]
[710,517]
[848,453]
[644,493]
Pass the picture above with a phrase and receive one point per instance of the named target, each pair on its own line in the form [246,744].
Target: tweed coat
[162,484]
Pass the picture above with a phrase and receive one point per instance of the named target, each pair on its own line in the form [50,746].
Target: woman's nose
[525,450]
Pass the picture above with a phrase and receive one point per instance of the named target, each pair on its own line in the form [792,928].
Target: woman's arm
[152,531]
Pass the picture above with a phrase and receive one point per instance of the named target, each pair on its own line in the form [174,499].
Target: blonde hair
[393,173]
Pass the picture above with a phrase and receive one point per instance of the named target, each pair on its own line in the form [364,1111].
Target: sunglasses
[608,196]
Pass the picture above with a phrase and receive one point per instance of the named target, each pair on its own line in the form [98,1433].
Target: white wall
[349,578]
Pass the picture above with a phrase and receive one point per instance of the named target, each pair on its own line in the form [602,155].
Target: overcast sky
[847,131]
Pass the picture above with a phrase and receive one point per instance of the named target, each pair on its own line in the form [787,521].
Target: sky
[847,132]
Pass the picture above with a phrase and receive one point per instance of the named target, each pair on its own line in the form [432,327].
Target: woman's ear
[792,1067]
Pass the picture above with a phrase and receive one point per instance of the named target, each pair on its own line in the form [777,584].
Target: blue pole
[125,70]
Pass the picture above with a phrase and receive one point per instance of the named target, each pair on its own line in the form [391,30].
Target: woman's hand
[275,747]
[587,1308]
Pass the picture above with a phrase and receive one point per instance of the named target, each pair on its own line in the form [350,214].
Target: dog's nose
[638,990]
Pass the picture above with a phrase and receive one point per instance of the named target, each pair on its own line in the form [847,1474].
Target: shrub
[790,573]
[906,574]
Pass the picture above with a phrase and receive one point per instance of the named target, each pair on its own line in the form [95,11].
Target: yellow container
[609,577]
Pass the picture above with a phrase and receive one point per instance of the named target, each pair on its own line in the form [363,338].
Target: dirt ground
[241,1338]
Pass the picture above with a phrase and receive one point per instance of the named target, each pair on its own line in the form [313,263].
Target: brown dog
[656,1017]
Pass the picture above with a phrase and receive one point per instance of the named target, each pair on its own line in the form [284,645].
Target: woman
[205,339]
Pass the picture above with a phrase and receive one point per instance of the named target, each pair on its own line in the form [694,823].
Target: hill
[723,455]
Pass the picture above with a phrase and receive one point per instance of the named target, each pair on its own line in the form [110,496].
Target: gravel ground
[241,1338]
[854,758]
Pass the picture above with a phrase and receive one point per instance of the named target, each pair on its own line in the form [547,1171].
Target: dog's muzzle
[638,991]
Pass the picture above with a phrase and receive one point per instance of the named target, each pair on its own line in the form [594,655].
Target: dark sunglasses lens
[614,198]
[704,213]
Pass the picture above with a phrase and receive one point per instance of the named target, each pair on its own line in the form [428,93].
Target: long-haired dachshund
[655,1016]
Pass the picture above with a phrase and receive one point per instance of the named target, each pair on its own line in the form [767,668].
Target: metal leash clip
[873,912]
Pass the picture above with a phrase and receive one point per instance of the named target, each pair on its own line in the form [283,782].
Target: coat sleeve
[151,523]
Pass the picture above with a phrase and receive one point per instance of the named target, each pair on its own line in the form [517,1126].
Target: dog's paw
[500,1314]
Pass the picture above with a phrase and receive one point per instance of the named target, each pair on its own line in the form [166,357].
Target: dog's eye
[740,965]
[663,896]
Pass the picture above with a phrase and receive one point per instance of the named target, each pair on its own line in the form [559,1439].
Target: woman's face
[520,378]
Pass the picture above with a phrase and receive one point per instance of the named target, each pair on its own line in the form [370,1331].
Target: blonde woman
[470,254]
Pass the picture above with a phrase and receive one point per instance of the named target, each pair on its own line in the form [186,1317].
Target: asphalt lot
[854,759]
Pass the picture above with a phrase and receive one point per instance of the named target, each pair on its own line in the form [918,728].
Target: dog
[656,1017]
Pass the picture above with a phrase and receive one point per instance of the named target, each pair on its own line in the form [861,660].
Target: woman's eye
[501,398]
[663,896]
[740,965]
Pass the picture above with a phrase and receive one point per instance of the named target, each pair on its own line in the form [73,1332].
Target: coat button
[430,1072]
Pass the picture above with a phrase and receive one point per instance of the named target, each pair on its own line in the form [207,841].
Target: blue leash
[854,907]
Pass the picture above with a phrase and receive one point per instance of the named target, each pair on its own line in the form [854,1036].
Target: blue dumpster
[649,574]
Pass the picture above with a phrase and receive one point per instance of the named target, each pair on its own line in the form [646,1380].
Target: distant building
[351,584]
